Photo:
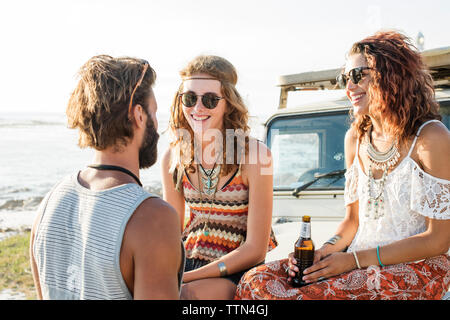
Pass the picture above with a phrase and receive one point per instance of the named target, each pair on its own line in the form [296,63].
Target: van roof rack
[437,60]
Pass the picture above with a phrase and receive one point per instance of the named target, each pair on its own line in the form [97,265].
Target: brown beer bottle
[303,251]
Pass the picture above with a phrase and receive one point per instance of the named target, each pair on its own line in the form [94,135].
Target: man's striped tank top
[79,237]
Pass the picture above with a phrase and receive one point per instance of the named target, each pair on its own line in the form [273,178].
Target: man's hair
[401,88]
[98,106]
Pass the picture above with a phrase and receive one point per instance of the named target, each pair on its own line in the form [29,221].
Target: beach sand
[9,294]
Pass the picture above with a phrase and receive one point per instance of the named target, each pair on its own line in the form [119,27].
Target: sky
[43,43]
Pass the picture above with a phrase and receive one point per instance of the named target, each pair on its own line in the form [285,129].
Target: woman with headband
[222,175]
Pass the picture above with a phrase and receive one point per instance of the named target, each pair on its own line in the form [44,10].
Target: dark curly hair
[401,88]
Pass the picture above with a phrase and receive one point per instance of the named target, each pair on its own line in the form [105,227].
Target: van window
[445,112]
[306,145]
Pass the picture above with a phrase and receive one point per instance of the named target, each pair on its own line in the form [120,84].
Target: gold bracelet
[222,269]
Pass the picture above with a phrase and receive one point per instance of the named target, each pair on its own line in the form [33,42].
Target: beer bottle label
[305,231]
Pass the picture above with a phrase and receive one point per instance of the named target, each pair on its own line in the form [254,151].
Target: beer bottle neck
[305,230]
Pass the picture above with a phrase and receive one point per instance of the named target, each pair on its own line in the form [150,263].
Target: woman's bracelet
[333,240]
[356,259]
[378,256]
[222,269]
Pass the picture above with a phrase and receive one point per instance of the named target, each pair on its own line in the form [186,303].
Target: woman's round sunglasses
[355,75]
[209,99]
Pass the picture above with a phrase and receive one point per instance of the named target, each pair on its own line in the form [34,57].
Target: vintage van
[307,144]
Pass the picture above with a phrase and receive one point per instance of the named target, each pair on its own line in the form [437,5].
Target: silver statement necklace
[380,160]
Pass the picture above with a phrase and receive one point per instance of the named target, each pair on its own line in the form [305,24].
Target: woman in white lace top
[397,224]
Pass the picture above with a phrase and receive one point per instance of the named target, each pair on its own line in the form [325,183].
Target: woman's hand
[293,269]
[187,277]
[331,265]
[324,266]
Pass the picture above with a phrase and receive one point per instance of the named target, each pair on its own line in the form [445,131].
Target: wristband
[222,269]
[378,256]
[333,240]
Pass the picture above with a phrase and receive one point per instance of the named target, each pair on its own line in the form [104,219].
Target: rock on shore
[9,294]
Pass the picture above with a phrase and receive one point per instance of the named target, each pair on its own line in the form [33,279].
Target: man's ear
[139,118]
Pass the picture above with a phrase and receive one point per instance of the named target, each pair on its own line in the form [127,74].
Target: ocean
[38,150]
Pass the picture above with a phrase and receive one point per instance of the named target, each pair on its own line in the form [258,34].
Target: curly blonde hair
[235,117]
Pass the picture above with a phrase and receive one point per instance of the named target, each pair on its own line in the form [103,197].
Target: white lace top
[410,195]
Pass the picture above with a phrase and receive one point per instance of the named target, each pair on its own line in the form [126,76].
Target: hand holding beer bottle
[303,252]
[318,264]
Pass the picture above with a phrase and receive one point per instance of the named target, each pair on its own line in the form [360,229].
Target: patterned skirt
[428,279]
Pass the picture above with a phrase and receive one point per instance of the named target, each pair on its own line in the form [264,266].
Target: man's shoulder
[65,183]
[155,204]
[154,210]
[152,222]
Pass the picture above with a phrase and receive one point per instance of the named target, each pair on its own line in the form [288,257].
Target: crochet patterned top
[227,220]
[410,195]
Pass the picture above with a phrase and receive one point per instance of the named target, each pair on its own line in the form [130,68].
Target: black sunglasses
[355,75]
[209,99]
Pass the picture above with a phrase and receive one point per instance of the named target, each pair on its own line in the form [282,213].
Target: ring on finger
[287,269]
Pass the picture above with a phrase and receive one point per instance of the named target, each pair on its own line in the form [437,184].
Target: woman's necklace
[380,160]
[115,168]
[209,179]
[375,204]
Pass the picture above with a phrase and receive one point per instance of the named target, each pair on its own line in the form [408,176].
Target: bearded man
[98,234]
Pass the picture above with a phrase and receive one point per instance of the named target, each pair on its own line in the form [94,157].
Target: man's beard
[148,152]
